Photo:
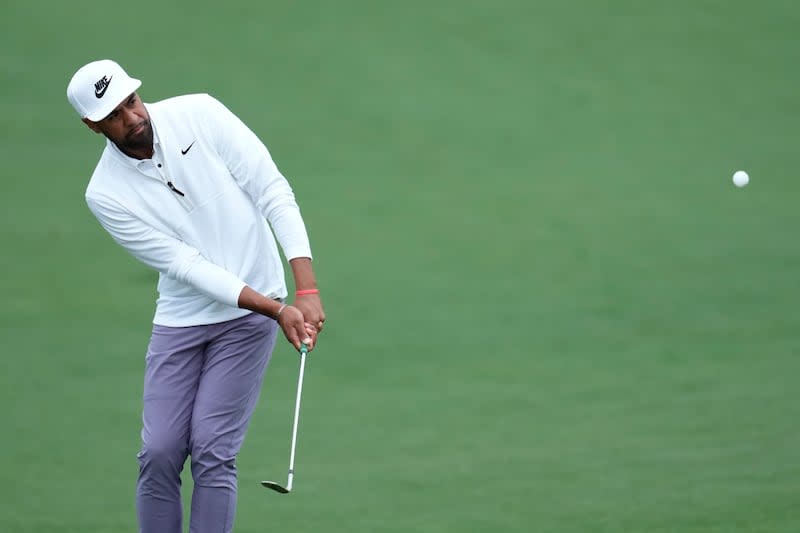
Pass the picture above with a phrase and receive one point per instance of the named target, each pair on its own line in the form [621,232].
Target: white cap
[97,88]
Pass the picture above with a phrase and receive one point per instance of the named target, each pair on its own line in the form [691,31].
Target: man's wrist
[304,292]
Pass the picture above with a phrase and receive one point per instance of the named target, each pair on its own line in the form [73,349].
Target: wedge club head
[277,487]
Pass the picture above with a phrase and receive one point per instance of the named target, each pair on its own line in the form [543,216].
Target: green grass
[549,308]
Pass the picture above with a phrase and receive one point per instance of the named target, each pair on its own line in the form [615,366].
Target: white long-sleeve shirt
[198,211]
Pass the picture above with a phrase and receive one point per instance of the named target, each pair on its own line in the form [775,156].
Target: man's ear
[92,125]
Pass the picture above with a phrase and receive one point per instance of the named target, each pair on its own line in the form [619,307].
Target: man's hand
[311,307]
[294,327]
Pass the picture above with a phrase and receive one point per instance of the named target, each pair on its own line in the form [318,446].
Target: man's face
[128,126]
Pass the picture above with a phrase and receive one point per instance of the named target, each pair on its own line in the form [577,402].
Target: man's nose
[129,117]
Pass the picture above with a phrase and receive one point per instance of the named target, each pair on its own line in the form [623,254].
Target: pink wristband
[306,291]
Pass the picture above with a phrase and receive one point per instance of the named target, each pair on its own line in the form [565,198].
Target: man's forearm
[255,301]
[303,272]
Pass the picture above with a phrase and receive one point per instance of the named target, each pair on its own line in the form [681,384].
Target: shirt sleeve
[251,165]
[170,256]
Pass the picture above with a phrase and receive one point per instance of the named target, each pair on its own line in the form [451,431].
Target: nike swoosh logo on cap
[101,86]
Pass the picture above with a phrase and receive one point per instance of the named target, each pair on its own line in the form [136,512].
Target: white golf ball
[740,178]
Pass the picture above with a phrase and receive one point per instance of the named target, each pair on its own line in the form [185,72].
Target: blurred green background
[549,308]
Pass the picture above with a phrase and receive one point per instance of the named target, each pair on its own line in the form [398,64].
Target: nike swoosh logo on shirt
[184,152]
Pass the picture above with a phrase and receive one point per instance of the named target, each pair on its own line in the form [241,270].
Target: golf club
[277,487]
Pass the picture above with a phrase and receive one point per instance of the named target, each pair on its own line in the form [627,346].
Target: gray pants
[201,385]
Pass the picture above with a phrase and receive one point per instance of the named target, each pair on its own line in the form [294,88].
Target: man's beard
[139,141]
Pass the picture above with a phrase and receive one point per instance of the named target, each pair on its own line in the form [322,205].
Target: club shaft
[296,419]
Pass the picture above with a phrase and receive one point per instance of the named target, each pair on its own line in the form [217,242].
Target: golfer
[189,190]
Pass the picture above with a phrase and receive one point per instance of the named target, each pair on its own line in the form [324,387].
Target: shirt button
[159,165]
